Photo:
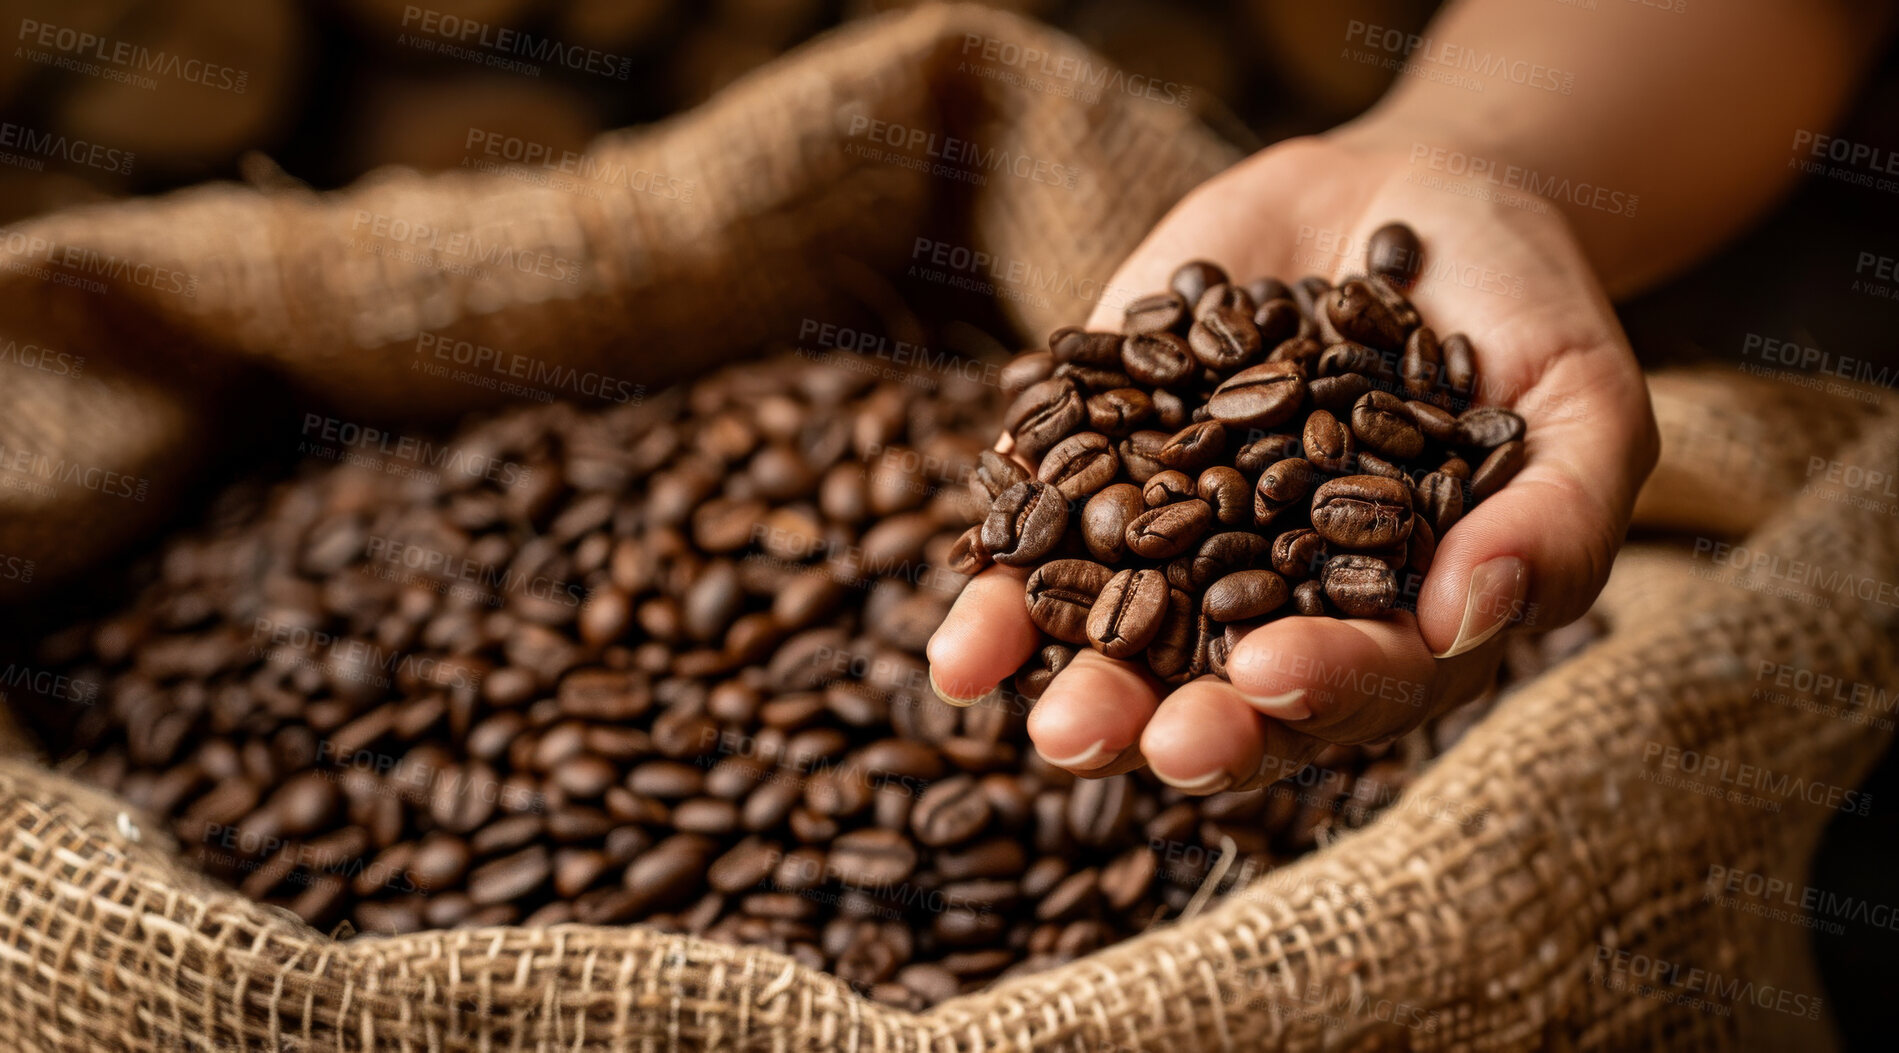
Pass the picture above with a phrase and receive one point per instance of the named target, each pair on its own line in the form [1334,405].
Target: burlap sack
[1574,859]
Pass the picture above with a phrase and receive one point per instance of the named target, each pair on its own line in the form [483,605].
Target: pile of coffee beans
[658,663]
[1237,453]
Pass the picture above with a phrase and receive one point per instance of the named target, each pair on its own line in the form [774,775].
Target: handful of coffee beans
[1234,454]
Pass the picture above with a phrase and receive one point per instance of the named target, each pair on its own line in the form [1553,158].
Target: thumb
[1536,553]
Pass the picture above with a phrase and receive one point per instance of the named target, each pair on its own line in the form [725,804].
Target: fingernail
[1497,588]
[1092,757]
[1212,782]
[1289,706]
[953,699]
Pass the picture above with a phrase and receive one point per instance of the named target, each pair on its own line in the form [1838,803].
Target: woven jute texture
[1543,886]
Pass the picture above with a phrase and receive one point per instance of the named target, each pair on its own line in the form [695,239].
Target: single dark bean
[1381,422]
[1393,253]
[1360,586]
[1259,397]
[1222,554]
[1194,447]
[1192,279]
[1308,598]
[1225,337]
[1154,313]
[1298,553]
[1277,321]
[1080,465]
[950,812]
[1244,595]
[1227,491]
[1060,594]
[1025,523]
[1158,359]
[1360,314]
[1362,511]
[1440,500]
[1281,486]
[1166,532]
[1128,612]
[1460,365]
[1172,652]
[1503,462]
[996,473]
[1487,427]
[969,555]
[1140,454]
[1043,415]
[1101,350]
[1328,443]
[1167,487]
[1337,394]
[1436,423]
[1119,411]
[1105,519]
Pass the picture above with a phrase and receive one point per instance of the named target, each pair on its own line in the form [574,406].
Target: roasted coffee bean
[1337,394]
[950,812]
[1327,443]
[1195,447]
[1308,598]
[1360,586]
[996,473]
[1167,487]
[1101,350]
[1128,612]
[1503,462]
[1393,253]
[1225,337]
[1361,314]
[1260,454]
[1093,380]
[1105,519]
[1171,653]
[1456,468]
[1099,809]
[1158,359]
[1298,553]
[1140,454]
[1080,465]
[1362,511]
[969,555]
[1244,595]
[1025,523]
[1166,532]
[1460,365]
[1436,423]
[510,877]
[1422,364]
[1192,280]
[872,857]
[1222,554]
[1025,370]
[1281,486]
[1227,491]
[1044,414]
[1487,427]
[1302,351]
[1440,500]
[1277,320]
[1154,313]
[1260,397]
[1119,411]
[1381,421]
[1060,594]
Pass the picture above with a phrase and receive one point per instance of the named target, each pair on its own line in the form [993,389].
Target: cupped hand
[1532,556]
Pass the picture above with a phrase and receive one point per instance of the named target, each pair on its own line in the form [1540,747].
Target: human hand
[1535,554]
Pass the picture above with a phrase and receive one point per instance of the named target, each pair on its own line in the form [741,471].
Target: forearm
[1659,133]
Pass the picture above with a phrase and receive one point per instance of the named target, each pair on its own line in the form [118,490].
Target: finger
[1204,738]
[1092,713]
[1538,551]
[1283,752]
[986,636]
[1342,680]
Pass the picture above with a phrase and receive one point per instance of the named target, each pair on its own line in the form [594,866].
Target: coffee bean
[1167,487]
[1120,411]
[1194,447]
[1193,279]
[1327,443]
[1099,809]
[1360,586]
[1277,321]
[1244,595]
[1105,519]
[1337,394]
[1166,532]
[1025,370]
[1362,511]
[1298,553]
[1503,462]
[996,473]
[1101,350]
[1158,359]
[1225,337]
[1025,523]
[872,857]
[1128,612]
[510,877]
[1154,313]
[1171,654]
[1440,500]
[1044,414]
[969,555]
[1460,365]
[1222,554]
[1421,365]
[1281,486]
[1436,424]
[1381,421]
[1227,491]
[1362,315]
[1060,594]
[1487,427]
[1259,397]
[1080,465]
[1393,253]
[1308,598]
[1257,456]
